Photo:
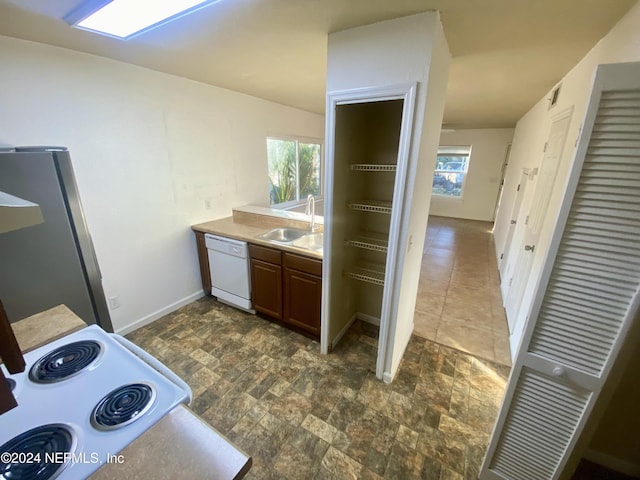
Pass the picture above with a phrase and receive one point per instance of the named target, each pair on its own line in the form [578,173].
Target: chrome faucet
[311,210]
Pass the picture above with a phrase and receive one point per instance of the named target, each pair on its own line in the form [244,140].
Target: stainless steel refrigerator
[54,262]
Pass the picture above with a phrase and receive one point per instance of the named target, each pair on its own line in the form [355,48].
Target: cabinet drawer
[303,264]
[265,254]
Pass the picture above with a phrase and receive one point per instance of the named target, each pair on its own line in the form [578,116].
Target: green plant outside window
[294,169]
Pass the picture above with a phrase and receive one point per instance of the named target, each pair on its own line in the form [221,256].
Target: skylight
[126,18]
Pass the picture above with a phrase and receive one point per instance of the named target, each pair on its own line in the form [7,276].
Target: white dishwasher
[229,269]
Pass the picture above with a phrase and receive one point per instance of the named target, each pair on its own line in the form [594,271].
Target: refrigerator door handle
[93,254]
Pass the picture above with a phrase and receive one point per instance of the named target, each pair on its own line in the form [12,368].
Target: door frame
[609,77]
[395,255]
[515,334]
[503,172]
[503,267]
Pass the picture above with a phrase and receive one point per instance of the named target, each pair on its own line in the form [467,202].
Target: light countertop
[45,327]
[247,227]
[180,445]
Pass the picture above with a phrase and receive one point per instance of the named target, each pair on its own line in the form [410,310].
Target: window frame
[298,139]
[452,150]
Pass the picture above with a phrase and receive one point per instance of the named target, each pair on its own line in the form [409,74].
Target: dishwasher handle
[235,248]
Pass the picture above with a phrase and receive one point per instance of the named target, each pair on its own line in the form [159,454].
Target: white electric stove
[82,399]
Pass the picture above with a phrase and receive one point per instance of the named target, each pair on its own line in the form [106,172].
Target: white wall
[404,50]
[621,44]
[420,182]
[152,153]
[488,151]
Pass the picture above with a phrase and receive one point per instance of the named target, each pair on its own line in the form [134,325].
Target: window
[128,18]
[295,167]
[451,170]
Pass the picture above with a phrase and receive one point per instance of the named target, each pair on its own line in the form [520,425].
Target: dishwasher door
[229,270]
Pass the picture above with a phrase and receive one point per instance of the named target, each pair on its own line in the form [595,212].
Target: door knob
[529,248]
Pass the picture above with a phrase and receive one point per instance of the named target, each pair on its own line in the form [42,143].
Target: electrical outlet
[114,303]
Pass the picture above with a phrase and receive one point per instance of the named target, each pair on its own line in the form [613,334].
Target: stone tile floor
[302,415]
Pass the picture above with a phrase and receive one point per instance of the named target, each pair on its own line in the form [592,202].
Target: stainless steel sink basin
[312,241]
[283,235]
[295,237]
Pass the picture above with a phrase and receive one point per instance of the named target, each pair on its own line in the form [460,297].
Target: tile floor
[459,302]
[302,415]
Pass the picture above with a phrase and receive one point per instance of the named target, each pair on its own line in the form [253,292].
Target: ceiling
[507,54]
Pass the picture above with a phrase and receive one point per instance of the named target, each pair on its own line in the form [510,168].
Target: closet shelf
[378,242]
[371,206]
[367,272]
[368,167]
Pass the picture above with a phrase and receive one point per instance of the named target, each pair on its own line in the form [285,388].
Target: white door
[515,213]
[501,189]
[587,296]
[517,282]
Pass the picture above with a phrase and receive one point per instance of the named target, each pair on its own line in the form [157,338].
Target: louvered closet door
[587,295]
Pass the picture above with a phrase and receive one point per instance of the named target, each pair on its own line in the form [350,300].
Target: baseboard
[341,333]
[368,318]
[388,376]
[160,313]
[614,463]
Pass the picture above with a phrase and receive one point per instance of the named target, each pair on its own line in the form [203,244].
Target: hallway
[459,302]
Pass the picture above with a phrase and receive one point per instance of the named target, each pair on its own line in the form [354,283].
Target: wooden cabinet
[203,258]
[287,287]
[12,357]
[302,292]
[266,280]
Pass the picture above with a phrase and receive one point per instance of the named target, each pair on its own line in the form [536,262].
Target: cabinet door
[302,300]
[203,258]
[266,288]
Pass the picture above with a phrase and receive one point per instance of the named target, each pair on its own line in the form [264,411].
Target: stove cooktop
[86,394]
[66,361]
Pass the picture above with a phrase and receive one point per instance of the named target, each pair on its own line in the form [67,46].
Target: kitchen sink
[312,241]
[283,235]
[295,237]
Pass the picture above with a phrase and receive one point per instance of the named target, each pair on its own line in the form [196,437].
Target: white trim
[453,150]
[296,203]
[273,212]
[407,93]
[398,229]
[159,313]
[297,139]
[614,463]
[341,333]
[607,77]
[368,318]
[438,197]
[276,136]
[389,375]
[459,150]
